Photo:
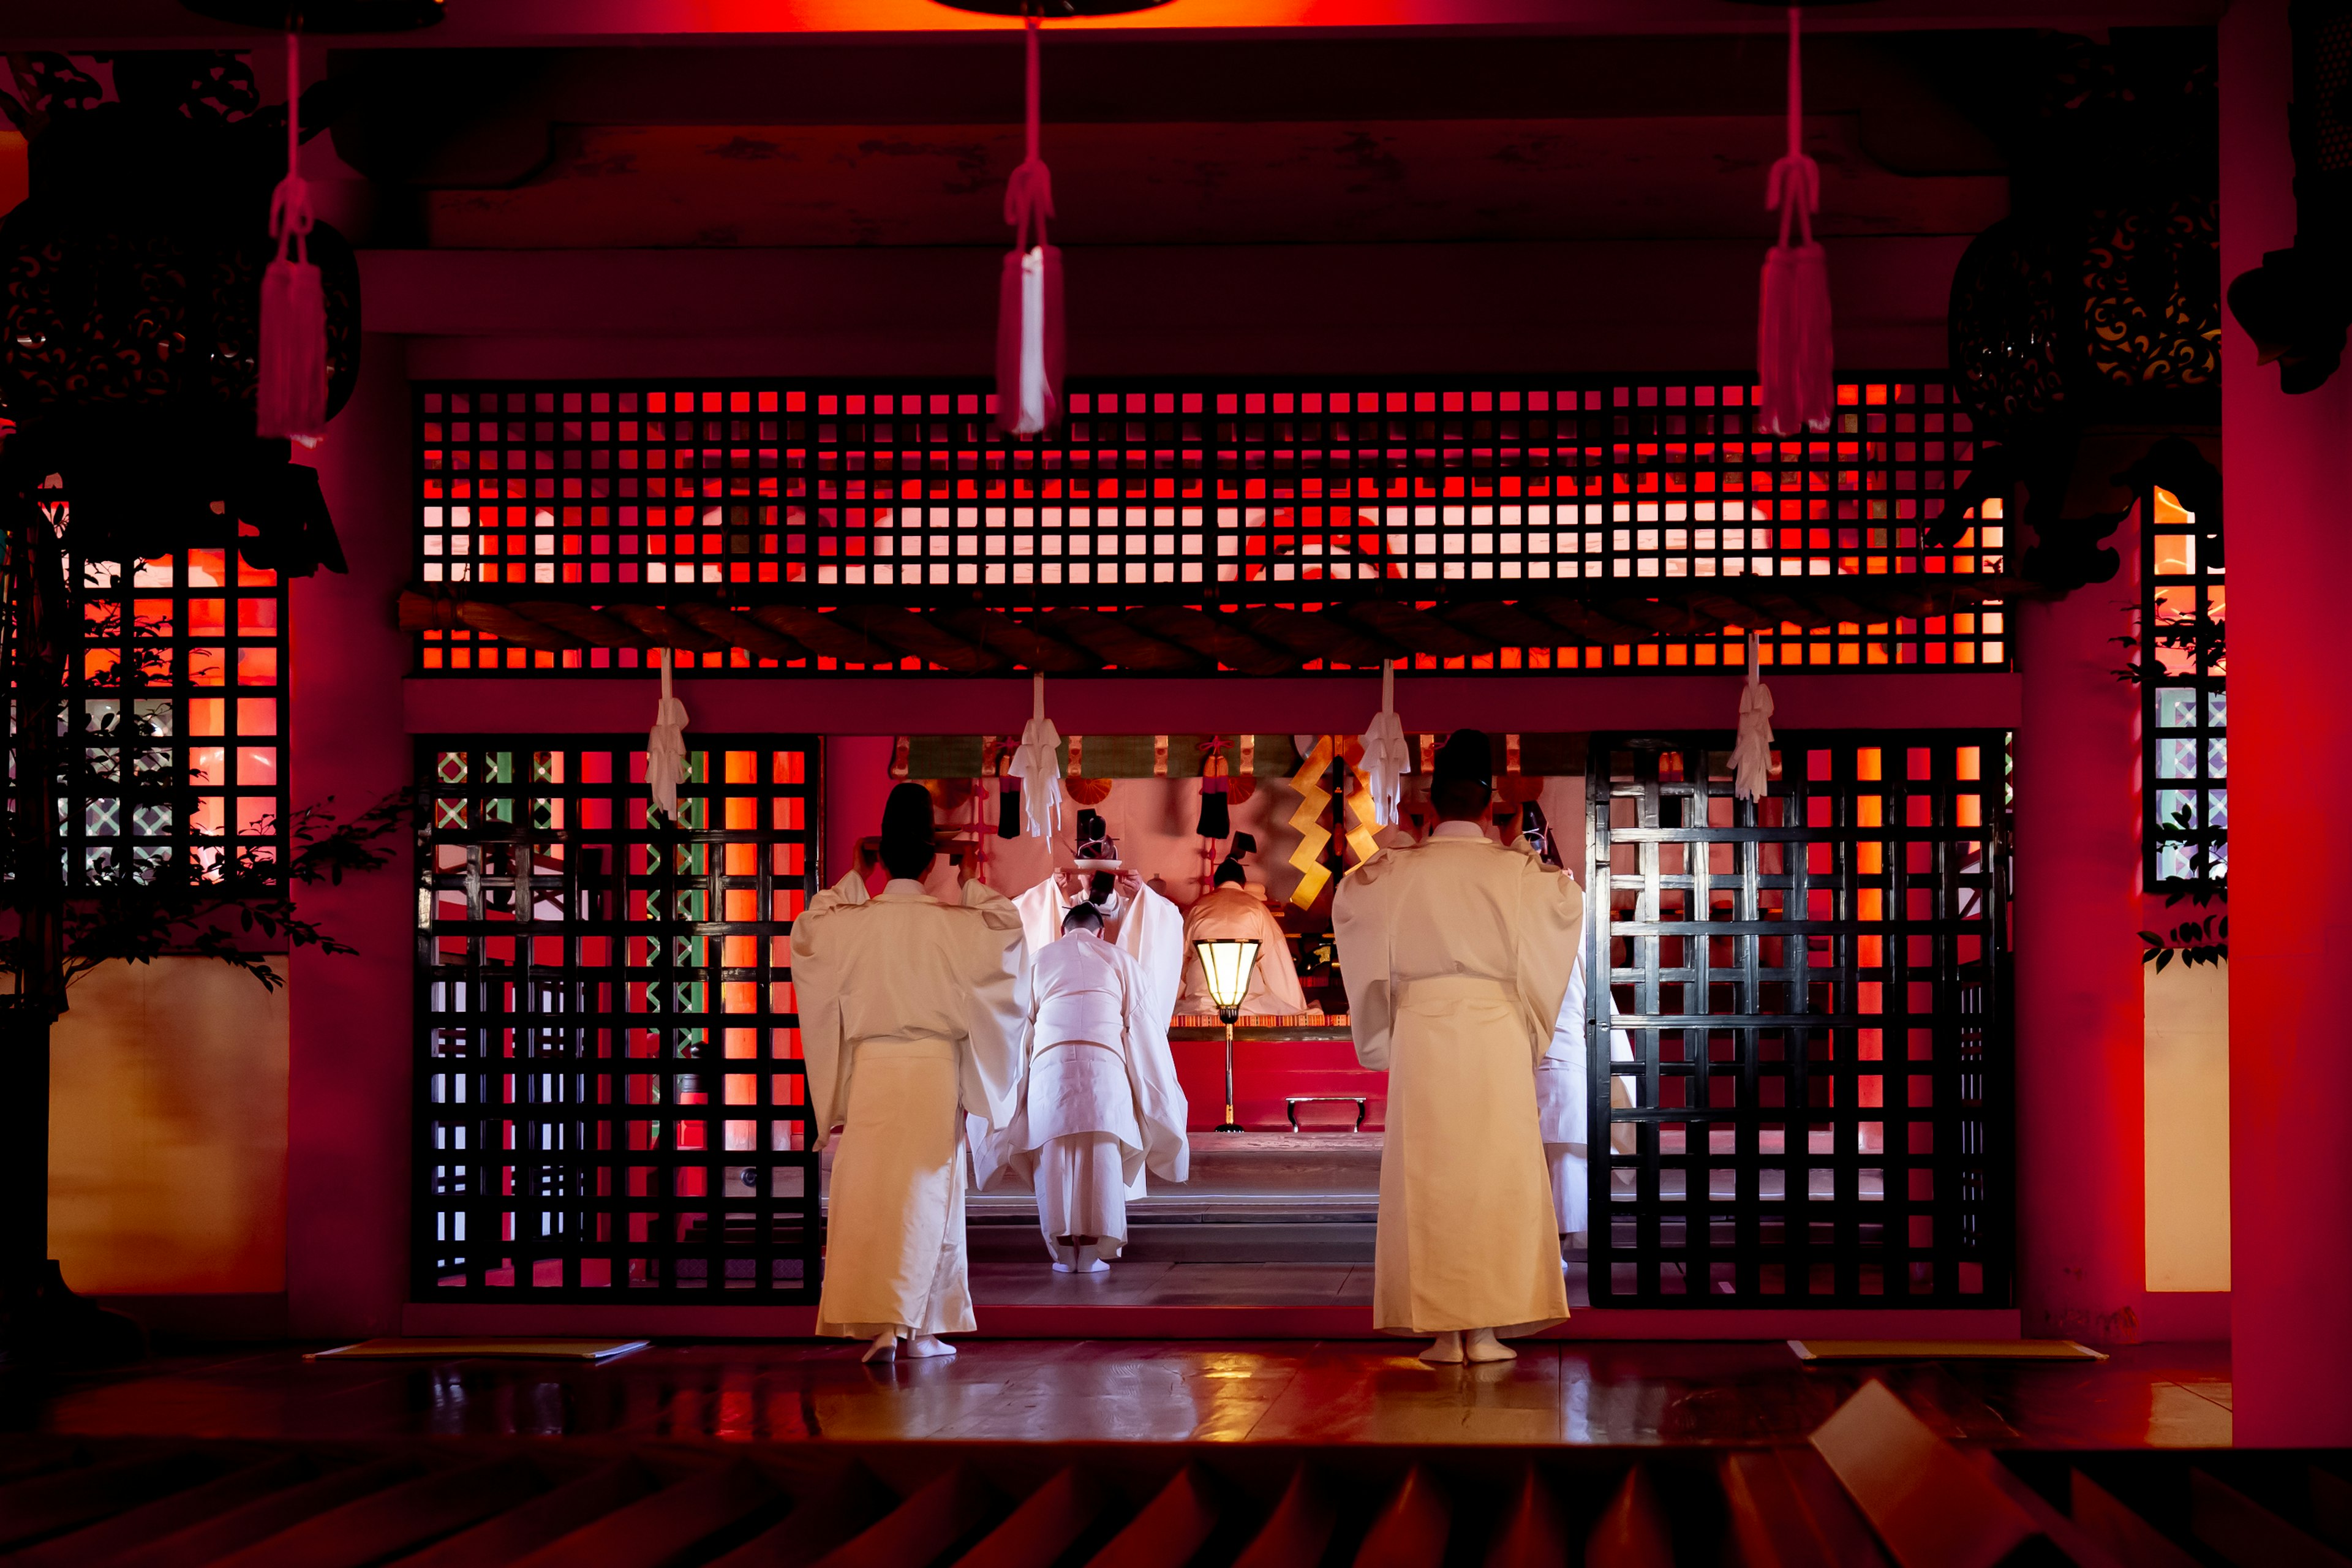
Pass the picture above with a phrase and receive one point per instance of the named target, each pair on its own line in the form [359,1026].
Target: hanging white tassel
[1033,414]
[1386,757]
[290,399]
[1751,754]
[665,746]
[1794,372]
[1029,353]
[1037,764]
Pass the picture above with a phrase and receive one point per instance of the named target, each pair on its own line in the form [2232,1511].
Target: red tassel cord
[1792,330]
[1029,298]
[291,400]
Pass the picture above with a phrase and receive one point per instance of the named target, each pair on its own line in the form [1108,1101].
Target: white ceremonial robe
[1456,953]
[1563,1097]
[1239,914]
[1141,923]
[908,1006]
[1099,1103]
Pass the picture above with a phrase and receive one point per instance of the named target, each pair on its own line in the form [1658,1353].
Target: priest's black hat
[1465,756]
[1229,869]
[906,821]
[1094,840]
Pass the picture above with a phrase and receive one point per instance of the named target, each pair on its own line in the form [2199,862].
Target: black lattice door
[1816,1110]
[610,1095]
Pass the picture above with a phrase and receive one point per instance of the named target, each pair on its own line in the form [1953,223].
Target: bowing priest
[1233,909]
[1099,1100]
[909,1004]
[1456,953]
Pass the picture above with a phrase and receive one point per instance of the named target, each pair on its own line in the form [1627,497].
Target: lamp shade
[1227,967]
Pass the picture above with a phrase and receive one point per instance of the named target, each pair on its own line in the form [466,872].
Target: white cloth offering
[1457,953]
[908,1006]
[1233,914]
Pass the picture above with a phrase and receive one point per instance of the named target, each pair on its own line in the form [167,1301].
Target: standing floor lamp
[1227,966]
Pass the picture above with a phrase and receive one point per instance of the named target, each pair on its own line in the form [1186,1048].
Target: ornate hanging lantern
[130,313]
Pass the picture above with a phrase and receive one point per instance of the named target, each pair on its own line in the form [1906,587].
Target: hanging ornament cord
[1028,350]
[1387,758]
[1752,752]
[1035,765]
[290,398]
[665,746]
[1792,329]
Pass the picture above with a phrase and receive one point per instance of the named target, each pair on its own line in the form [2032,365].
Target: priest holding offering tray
[1457,953]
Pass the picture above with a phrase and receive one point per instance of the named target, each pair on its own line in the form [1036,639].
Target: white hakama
[1456,954]
[909,1006]
[1099,1103]
[896,1259]
[1563,1103]
[1233,914]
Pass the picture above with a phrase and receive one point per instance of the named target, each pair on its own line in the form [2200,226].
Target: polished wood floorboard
[1138,1282]
[1335,1392]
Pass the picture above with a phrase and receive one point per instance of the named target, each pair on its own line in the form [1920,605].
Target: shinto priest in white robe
[1099,1103]
[1137,921]
[908,1005]
[1564,1097]
[1238,913]
[1457,953]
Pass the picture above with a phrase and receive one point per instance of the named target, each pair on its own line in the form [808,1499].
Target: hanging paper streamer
[1038,768]
[291,397]
[1793,330]
[1029,296]
[1751,754]
[1387,758]
[665,747]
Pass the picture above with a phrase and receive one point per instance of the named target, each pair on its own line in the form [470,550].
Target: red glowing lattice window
[1177,493]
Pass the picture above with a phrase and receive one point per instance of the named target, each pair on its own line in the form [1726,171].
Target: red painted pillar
[857,784]
[348,1082]
[2080,1128]
[2291,749]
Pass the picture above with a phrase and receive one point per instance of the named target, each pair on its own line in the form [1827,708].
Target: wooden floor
[1555,1393]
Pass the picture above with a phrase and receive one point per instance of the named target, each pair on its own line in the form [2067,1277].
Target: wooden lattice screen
[1184,492]
[1814,985]
[180,688]
[609,1095]
[2185,699]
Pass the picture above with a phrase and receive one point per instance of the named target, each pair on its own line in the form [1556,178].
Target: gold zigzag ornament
[1359,803]
[1308,823]
[1313,799]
